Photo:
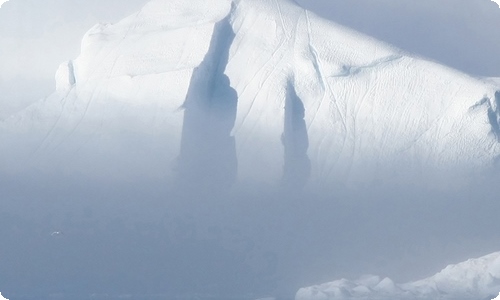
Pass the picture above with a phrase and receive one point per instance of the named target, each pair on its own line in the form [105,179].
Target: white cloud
[497,2]
[2,2]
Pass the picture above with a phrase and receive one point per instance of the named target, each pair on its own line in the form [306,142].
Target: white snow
[371,111]
[473,279]
[2,298]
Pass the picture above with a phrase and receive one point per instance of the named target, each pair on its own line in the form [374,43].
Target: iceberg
[477,278]
[262,91]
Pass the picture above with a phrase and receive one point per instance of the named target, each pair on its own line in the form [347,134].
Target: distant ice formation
[473,279]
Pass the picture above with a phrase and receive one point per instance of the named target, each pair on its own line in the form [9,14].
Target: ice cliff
[253,90]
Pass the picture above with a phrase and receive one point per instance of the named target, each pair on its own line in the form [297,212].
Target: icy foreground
[473,279]
[254,90]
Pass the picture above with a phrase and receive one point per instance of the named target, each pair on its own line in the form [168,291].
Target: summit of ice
[295,99]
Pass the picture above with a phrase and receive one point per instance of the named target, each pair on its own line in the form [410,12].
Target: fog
[70,236]
[82,238]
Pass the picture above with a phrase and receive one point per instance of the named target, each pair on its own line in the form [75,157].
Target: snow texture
[253,90]
[473,279]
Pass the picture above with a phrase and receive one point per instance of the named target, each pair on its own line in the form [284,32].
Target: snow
[2,298]
[477,278]
[369,112]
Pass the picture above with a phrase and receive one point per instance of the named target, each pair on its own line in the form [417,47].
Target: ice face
[305,100]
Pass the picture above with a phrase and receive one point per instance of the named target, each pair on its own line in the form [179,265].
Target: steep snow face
[117,109]
[259,90]
[473,279]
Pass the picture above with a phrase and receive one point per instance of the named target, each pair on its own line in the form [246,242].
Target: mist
[205,233]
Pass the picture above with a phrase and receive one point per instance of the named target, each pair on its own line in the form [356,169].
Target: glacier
[477,278]
[253,91]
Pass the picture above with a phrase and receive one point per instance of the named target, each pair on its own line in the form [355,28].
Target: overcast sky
[36,36]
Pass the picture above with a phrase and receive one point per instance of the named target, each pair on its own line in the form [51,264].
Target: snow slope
[260,90]
[473,279]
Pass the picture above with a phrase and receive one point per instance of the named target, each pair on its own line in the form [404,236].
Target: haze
[76,235]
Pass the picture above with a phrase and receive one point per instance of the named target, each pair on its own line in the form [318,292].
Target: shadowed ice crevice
[297,167]
[207,157]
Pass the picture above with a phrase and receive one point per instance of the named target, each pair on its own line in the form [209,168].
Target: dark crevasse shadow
[295,140]
[207,157]
[494,116]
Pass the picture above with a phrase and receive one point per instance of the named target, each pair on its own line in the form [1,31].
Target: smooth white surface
[372,112]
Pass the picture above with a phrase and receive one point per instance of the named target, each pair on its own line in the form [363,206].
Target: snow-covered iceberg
[473,279]
[259,90]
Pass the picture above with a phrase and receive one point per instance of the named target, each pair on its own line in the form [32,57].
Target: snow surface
[473,279]
[316,102]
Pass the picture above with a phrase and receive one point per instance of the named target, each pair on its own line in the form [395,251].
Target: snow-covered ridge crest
[316,103]
[477,278]
[173,32]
